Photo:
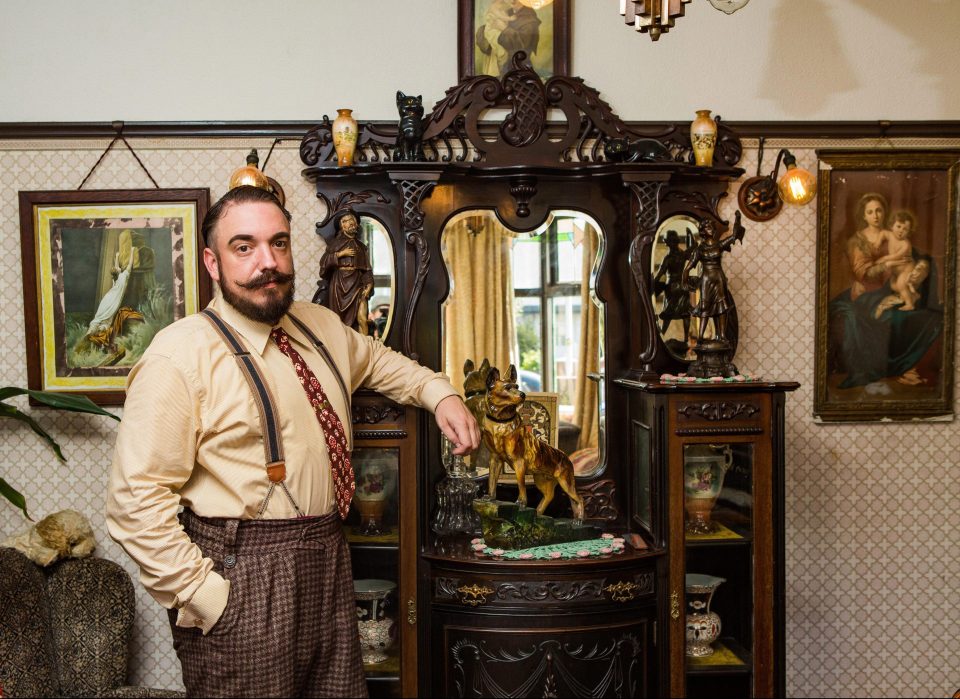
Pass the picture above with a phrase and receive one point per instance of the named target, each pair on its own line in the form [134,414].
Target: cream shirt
[190,436]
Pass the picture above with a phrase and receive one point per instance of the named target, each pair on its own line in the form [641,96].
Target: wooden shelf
[723,535]
[389,539]
[389,669]
[729,657]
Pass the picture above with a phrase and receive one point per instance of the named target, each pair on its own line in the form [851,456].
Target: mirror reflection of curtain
[478,315]
[585,402]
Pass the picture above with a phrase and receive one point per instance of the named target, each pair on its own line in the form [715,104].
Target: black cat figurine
[410,130]
[623,150]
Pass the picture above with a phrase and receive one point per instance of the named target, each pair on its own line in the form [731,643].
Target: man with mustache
[240,415]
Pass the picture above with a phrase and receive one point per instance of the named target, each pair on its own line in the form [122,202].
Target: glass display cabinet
[561,242]
[383,542]
[709,487]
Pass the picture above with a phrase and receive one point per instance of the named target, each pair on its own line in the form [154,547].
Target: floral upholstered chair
[65,630]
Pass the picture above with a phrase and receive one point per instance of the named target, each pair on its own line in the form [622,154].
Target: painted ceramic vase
[703,138]
[702,625]
[704,466]
[344,136]
[375,486]
[377,630]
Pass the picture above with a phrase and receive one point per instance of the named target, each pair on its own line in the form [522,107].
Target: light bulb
[796,186]
[250,175]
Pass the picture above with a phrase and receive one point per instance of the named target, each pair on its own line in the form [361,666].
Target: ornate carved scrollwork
[527,98]
[413,192]
[647,195]
[599,500]
[717,410]
[372,414]
[373,145]
[343,200]
[558,591]
[486,667]
[648,203]
[701,204]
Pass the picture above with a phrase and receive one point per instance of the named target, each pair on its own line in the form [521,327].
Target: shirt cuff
[434,392]
[206,606]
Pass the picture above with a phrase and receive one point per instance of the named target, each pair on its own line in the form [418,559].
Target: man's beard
[270,311]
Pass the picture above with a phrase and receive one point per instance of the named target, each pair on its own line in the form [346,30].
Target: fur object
[64,534]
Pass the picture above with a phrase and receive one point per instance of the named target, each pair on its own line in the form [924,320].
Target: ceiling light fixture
[656,17]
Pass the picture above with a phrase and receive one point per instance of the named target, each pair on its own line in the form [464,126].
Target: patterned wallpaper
[872,531]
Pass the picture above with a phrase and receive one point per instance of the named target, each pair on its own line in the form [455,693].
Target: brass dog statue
[475,398]
[512,442]
[475,387]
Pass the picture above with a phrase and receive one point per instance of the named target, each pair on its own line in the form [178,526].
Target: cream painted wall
[180,60]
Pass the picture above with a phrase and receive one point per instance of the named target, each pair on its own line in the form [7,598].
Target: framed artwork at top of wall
[491,31]
[886,283]
[103,272]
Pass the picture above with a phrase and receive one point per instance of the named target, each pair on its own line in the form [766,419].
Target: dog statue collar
[502,421]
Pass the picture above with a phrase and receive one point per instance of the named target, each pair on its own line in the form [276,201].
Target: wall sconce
[762,197]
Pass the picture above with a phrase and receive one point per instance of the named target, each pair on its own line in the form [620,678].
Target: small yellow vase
[703,138]
[344,136]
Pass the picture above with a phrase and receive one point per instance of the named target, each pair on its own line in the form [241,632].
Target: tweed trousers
[290,625]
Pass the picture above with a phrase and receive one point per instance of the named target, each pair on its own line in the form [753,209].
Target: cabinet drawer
[711,414]
[374,417]
[528,593]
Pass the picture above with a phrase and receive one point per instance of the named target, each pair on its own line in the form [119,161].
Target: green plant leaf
[12,412]
[60,401]
[11,494]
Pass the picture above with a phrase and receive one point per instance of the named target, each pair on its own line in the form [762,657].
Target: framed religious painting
[491,31]
[886,276]
[103,272]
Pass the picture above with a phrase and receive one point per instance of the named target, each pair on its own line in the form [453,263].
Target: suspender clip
[277,472]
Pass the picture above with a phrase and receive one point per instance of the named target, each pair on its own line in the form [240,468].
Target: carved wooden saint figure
[345,267]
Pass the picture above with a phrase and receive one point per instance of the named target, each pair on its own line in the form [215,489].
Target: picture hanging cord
[118,127]
[270,152]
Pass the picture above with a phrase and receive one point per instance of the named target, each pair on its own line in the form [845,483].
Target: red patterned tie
[343,480]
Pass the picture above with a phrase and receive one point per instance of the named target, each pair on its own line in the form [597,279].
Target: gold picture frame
[103,271]
[490,31]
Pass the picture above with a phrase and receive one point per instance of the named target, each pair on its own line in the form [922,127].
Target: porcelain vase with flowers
[376,482]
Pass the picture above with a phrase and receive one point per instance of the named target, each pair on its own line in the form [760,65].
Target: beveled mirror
[672,302]
[528,299]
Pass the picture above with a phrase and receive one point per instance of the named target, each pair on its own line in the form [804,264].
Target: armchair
[65,630]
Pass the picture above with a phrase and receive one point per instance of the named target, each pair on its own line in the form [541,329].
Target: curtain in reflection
[585,402]
[478,315]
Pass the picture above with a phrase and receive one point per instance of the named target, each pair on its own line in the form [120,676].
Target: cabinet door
[507,657]
[381,531]
[722,522]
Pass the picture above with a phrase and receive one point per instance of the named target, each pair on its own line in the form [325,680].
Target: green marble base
[509,525]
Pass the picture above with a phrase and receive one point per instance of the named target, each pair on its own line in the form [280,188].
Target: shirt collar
[256,334]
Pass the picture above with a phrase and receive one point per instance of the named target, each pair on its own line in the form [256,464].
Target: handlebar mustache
[266,278]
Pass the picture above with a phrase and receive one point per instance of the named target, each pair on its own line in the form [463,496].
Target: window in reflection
[374,236]
[527,299]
